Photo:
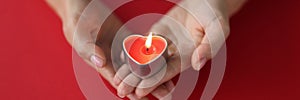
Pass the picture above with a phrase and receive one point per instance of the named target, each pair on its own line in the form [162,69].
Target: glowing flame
[149,40]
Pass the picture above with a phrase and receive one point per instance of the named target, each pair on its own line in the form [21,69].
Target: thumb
[216,33]
[91,53]
[200,56]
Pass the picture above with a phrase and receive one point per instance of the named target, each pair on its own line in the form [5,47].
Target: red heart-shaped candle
[142,59]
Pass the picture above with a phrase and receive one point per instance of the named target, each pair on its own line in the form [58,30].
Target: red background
[263,52]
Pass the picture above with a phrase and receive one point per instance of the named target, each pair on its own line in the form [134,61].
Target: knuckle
[126,86]
[224,23]
[81,51]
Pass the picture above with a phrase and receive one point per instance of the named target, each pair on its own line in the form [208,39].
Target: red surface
[263,53]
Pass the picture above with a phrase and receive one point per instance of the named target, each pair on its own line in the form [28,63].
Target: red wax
[148,51]
[138,51]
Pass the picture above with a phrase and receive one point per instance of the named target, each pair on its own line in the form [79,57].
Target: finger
[170,85]
[122,57]
[134,97]
[172,69]
[163,92]
[122,72]
[172,50]
[128,85]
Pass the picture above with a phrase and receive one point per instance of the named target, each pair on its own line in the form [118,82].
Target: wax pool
[139,52]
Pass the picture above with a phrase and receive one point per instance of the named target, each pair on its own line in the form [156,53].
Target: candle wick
[147,49]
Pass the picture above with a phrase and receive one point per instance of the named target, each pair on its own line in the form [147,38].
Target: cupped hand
[86,37]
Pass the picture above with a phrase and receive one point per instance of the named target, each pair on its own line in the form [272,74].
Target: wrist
[59,7]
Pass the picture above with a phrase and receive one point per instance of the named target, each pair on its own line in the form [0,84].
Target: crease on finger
[128,85]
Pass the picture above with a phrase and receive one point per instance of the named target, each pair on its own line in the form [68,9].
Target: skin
[96,52]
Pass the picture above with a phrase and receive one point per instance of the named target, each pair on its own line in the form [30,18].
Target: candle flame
[149,40]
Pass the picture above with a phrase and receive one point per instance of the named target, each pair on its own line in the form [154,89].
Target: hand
[93,46]
[211,30]
[86,40]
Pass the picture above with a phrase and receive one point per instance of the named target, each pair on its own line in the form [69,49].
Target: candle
[145,55]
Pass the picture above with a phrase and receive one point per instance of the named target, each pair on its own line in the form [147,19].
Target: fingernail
[201,63]
[117,80]
[121,95]
[97,61]
[131,97]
